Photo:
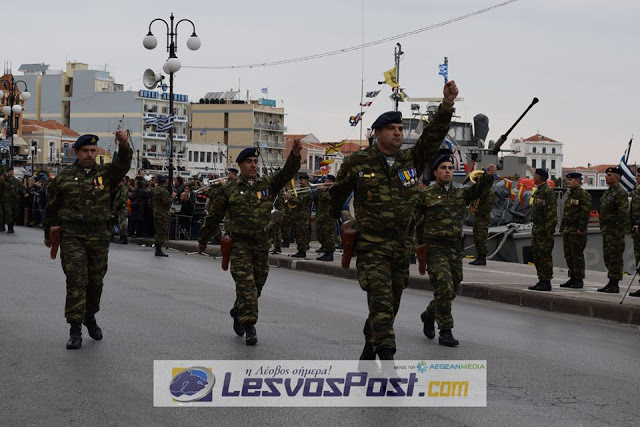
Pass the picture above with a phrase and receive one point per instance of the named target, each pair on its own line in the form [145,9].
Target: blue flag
[444,71]
[627,180]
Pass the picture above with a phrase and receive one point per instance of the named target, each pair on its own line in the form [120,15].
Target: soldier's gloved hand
[47,243]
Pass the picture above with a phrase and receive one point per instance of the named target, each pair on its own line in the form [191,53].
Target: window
[209,157]
[195,156]
[544,150]
[544,164]
[533,163]
[533,150]
[553,164]
[202,157]
[553,151]
[590,180]
[190,155]
[602,182]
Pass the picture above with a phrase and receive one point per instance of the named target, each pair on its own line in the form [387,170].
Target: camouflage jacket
[250,205]
[577,206]
[121,197]
[614,210]
[79,200]
[481,208]
[13,189]
[384,199]
[444,210]
[160,201]
[323,204]
[544,212]
[303,203]
[635,207]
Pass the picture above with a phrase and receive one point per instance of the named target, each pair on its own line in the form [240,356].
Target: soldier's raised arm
[290,169]
[479,188]
[435,132]
[120,166]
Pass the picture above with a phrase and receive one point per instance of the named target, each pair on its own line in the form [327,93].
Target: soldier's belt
[85,227]
[387,234]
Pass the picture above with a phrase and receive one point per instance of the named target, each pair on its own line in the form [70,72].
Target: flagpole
[362,73]
[629,149]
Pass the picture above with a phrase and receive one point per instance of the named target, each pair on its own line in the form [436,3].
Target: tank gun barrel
[496,147]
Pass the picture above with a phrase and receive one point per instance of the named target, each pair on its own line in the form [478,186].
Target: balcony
[273,145]
[163,136]
[268,126]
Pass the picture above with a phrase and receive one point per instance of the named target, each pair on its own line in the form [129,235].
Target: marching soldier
[325,225]
[161,202]
[444,206]
[614,223]
[573,227]
[544,215]
[120,209]
[384,179]
[635,224]
[481,211]
[13,191]
[249,200]
[285,218]
[302,217]
[78,201]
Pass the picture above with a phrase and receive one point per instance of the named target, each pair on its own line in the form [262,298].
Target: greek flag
[265,90]
[150,121]
[628,180]
[5,143]
[444,71]
[165,123]
[203,132]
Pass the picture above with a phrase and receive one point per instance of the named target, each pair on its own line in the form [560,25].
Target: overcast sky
[579,57]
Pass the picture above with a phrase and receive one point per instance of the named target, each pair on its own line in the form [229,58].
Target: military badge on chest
[408,177]
[262,195]
[97,183]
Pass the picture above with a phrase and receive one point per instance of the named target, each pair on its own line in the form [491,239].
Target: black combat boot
[285,243]
[568,283]
[75,336]
[159,252]
[611,287]
[124,240]
[542,285]
[367,361]
[367,352]
[480,260]
[237,327]
[386,361]
[251,338]
[10,229]
[276,250]
[429,326]
[635,294]
[300,254]
[577,284]
[320,250]
[2,229]
[446,338]
[94,330]
[328,256]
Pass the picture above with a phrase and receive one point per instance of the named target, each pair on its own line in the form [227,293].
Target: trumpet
[211,183]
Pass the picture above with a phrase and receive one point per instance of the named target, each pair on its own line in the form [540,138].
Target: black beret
[542,173]
[304,176]
[161,179]
[234,170]
[247,152]
[441,159]
[87,139]
[387,118]
[616,170]
[574,175]
[331,178]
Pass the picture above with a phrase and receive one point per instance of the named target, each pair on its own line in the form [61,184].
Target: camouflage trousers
[10,211]
[325,229]
[285,226]
[84,262]
[383,273]
[275,232]
[613,251]
[444,265]
[574,245]
[303,233]
[161,223]
[480,236]
[121,221]
[249,269]
[541,249]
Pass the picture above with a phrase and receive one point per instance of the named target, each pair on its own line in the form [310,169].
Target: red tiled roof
[32,126]
[539,138]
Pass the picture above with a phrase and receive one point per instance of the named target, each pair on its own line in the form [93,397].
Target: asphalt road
[543,368]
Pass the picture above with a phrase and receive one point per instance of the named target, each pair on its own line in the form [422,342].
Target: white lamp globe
[172,65]
[17,109]
[193,42]
[6,110]
[26,96]
[150,41]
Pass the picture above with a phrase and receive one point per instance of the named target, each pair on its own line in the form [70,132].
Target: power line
[352,48]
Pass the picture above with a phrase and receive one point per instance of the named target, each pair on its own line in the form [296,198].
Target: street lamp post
[12,107]
[171,66]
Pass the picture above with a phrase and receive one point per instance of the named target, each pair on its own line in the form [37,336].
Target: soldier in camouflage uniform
[249,200]
[481,211]
[614,223]
[285,218]
[161,205]
[13,190]
[276,218]
[575,220]
[384,179]
[635,225]
[325,225]
[78,200]
[120,209]
[444,206]
[544,215]
[301,217]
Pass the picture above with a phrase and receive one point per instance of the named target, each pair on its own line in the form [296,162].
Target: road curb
[547,301]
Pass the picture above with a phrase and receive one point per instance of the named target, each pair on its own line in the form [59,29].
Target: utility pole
[397,55]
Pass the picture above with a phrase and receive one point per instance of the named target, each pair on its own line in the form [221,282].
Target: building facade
[541,152]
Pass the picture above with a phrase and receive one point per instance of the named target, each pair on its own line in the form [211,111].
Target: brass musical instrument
[474,175]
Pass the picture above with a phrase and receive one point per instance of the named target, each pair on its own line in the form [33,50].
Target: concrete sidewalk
[497,281]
